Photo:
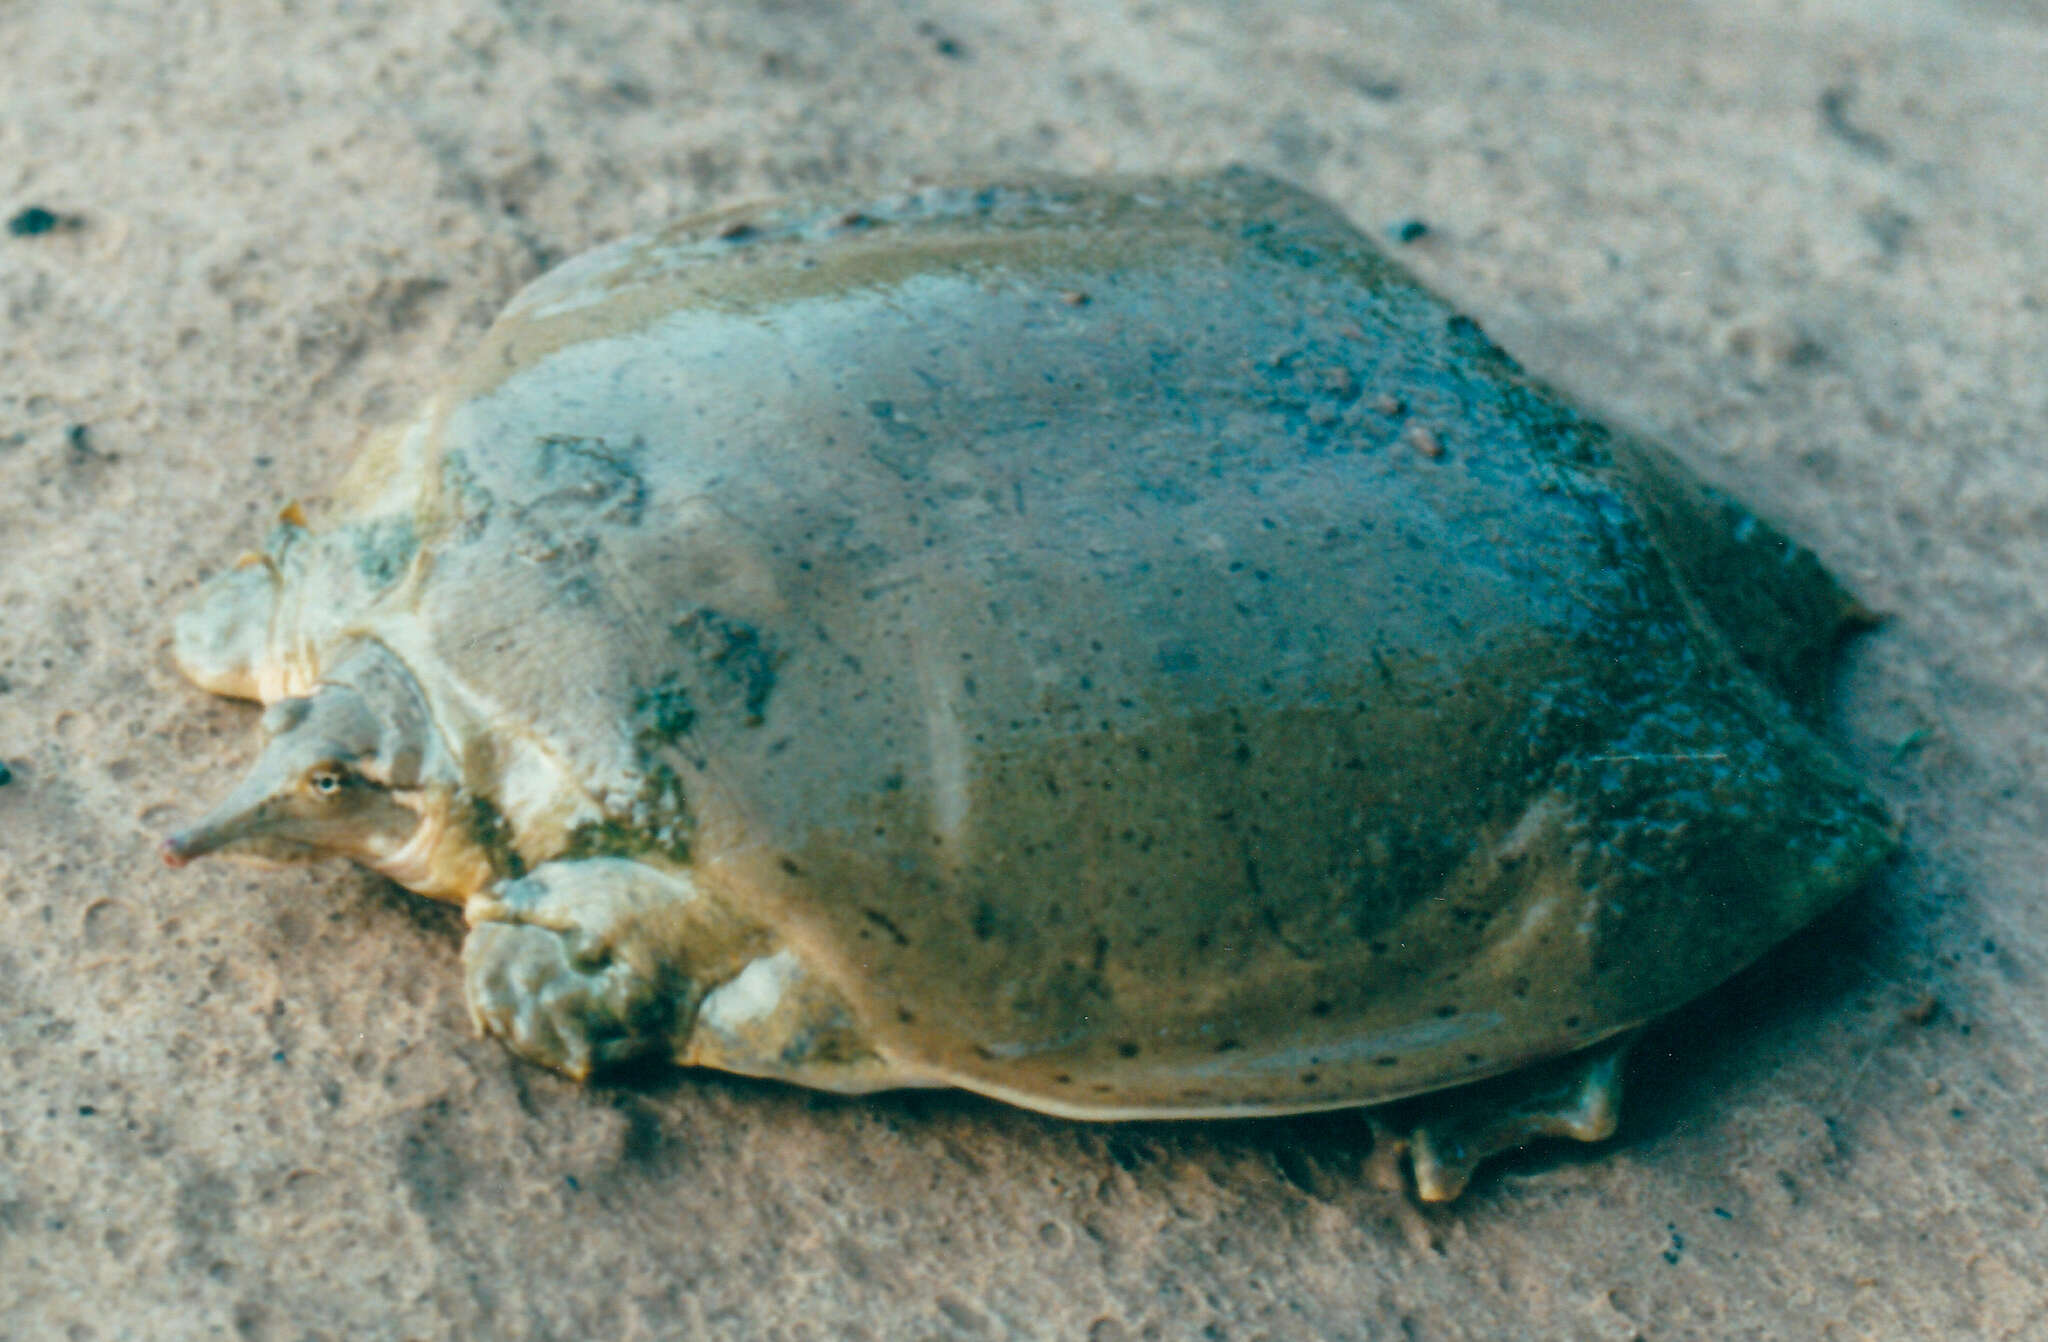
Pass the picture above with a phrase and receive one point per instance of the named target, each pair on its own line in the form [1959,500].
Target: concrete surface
[1802,241]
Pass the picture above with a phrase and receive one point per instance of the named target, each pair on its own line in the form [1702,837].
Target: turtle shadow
[1721,1047]
[1716,1054]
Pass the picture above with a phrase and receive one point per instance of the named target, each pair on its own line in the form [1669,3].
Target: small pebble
[35,221]
[1410,230]
[1424,440]
[1924,1009]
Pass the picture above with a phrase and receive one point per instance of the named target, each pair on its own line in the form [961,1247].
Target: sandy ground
[1801,241]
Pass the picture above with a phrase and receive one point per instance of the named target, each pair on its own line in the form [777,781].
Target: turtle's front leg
[583,964]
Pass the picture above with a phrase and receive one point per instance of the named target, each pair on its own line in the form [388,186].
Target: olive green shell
[1144,650]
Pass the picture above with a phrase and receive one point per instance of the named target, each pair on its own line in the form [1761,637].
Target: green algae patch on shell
[1127,647]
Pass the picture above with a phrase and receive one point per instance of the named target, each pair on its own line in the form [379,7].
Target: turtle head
[354,769]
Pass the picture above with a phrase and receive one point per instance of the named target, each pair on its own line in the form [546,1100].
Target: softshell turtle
[1121,647]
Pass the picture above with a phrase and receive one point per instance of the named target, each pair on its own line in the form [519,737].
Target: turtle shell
[1142,649]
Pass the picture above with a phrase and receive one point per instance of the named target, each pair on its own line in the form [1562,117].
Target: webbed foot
[1448,1135]
[577,966]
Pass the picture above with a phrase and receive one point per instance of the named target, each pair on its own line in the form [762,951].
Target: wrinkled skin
[1122,648]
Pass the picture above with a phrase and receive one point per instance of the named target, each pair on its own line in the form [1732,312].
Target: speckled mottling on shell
[1122,647]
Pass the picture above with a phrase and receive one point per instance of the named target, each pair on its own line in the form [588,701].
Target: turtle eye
[326,780]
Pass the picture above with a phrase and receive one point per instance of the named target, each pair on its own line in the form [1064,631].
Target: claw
[1578,1096]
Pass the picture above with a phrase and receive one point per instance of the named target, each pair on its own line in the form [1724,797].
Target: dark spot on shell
[905,1015]
[384,550]
[1386,1060]
[1127,1050]
[1571,1022]
[664,711]
[1062,1079]
[790,866]
[1446,1012]
[743,660]
[1310,1078]
[588,477]
[1228,1045]
[1320,1009]
[881,920]
[489,830]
